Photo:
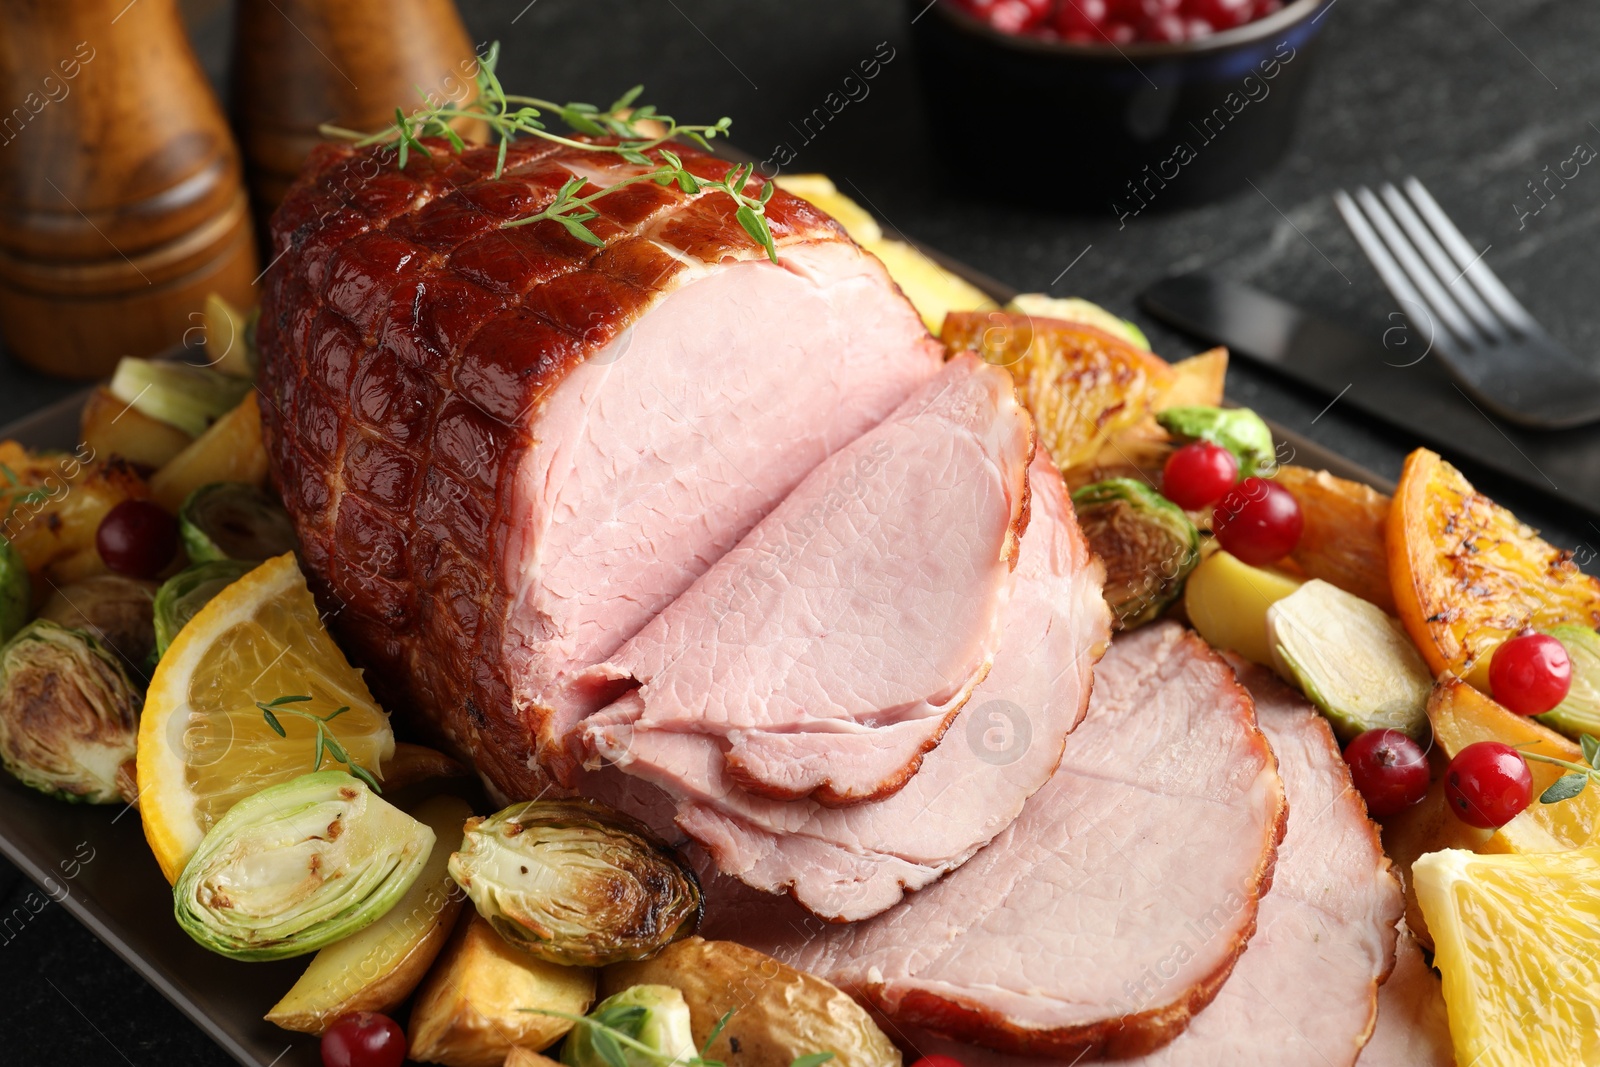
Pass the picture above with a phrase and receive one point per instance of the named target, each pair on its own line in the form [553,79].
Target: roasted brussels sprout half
[118,612]
[1148,544]
[179,394]
[233,520]
[1239,430]
[69,717]
[655,1016]
[16,589]
[576,883]
[298,866]
[1579,712]
[181,597]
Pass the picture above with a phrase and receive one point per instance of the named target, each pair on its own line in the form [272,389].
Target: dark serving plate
[93,860]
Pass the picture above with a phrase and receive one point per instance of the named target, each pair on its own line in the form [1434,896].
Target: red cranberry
[1389,770]
[1488,784]
[1530,674]
[364,1039]
[1198,474]
[1258,521]
[137,538]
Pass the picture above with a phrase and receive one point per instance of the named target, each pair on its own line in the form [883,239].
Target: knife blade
[1391,379]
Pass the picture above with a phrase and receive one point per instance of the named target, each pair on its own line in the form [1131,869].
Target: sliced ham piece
[1306,990]
[847,864]
[1412,1029]
[505,450]
[1115,906]
[831,648]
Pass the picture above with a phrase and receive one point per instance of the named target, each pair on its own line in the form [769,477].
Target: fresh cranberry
[137,538]
[1119,32]
[1530,674]
[1488,784]
[1080,19]
[1198,474]
[1221,14]
[1258,521]
[1011,16]
[1389,770]
[364,1039]
[938,1061]
[1162,28]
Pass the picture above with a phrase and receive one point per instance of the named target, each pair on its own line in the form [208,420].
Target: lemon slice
[203,743]
[1514,939]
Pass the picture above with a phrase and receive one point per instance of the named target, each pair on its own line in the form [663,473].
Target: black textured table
[1474,98]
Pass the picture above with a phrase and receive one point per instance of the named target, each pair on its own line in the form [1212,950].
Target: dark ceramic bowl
[1119,130]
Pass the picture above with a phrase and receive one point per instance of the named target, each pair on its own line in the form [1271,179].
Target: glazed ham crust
[409,344]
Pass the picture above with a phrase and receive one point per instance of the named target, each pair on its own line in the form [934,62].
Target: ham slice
[831,648]
[847,864]
[1412,1029]
[1115,906]
[1306,990]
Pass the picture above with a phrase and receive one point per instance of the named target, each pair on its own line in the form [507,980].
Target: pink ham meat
[505,450]
[847,864]
[1412,1029]
[1111,910]
[829,650]
[1306,990]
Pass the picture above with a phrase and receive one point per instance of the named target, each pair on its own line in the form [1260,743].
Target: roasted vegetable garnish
[118,612]
[51,505]
[69,717]
[233,520]
[183,595]
[298,866]
[1148,544]
[1227,602]
[1082,384]
[1467,575]
[654,1016]
[1239,430]
[1579,713]
[112,427]
[232,450]
[1342,541]
[576,883]
[188,397]
[16,590]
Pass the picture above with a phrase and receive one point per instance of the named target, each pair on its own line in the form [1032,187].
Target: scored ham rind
[1114,907]
[504,450]
[1412,1029]
[831,648]
[847,864]
[1306,989]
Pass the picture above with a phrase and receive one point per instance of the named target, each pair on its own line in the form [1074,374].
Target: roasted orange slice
[1081,383]
[1467,575]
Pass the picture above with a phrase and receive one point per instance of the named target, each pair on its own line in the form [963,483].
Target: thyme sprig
[1571,784]
[327,744]
[614,1029]
[637,130]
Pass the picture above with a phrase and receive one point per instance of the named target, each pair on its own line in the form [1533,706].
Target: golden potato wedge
[934,291]
[228,338]
[112,428]
[780,1013]
[230,451]
[1226,601]
[1343,540]
[376,968]
[819,191]
[470,1010]
[1426,826]
[1196,382]
[52,504]
[523,1057]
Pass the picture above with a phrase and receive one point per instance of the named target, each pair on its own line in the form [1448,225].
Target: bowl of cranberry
[1134,106]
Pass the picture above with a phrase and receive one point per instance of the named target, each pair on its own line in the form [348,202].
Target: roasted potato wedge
[52,504]
[376,968]
[113,428]
[470,1010]
[1461,715]
[1083,385]
[1343,540]
[780,1013]
[1426,826]
[1226,601]
[231,450]
[1196,382]
[523,1057]
[1467,575]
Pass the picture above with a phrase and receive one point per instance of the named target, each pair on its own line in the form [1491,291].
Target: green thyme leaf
[1564,788]
[272,721]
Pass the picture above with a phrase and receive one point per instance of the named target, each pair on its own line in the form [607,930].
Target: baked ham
[831,648]
[847,864]
[505,450]
[1110,911]
[1412,1029]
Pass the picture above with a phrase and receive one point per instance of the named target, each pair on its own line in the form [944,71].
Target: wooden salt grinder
[300,63]
[121,205]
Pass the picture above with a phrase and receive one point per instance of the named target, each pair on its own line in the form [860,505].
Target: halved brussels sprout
[179,394]
[1579,712]
[1239,430]
[1148,544]
[232,520]
[69,717]
[116,611]
[16,589]
[576,883]
[181,597]
[655,1016]
[298,866]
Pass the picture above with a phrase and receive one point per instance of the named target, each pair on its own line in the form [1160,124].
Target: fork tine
[1435,298]
[1388,268]
[1470,261]
[1443,267]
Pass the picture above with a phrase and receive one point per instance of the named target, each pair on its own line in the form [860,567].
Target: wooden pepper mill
[300,63]
[121,204]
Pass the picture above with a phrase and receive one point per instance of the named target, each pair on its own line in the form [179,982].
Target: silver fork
[1489,342]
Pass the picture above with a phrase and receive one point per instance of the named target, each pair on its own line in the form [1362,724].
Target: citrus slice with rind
[204,745]
[1514,940]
